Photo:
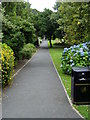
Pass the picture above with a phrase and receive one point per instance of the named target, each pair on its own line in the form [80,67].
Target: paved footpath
[0,112]
[37,91]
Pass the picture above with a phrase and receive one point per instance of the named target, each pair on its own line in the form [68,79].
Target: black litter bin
[80,85]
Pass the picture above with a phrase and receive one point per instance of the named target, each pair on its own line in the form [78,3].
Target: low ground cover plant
[77,55]
[6,63]
[27,51]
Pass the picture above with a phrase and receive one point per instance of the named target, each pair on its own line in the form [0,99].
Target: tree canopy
[74,20]
[22,24]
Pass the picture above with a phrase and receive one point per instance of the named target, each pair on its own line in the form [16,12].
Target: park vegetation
[7,63]
[77,55]
[18,36]
[74,21]
[74,49]
[69,23]
[22,26]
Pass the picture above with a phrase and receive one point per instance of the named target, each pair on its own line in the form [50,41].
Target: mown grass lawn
[56,54]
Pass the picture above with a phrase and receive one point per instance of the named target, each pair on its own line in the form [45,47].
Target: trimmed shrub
[77,55]
[27,51]
[7,58]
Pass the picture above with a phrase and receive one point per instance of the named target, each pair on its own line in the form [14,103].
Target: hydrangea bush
[7,59]
[77,55]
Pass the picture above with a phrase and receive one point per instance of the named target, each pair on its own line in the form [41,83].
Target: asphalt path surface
[37,91]
[0,111]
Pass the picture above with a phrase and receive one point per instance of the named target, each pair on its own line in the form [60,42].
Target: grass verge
[56,54]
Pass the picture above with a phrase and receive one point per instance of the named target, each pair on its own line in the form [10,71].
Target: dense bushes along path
[37,91]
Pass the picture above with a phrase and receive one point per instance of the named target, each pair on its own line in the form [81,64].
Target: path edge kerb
[65,89]
[24,64]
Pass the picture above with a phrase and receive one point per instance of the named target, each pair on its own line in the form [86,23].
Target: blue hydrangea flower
[67,71]
[74,46]
[71,47]
[65,50]
[75,54]
[72,50]
[81,50]
[77,46]
[85,47]
[77,51]
[84,44]
[71,60]
[72,64]
[82,54]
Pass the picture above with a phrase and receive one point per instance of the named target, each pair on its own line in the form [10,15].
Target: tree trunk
[50,43]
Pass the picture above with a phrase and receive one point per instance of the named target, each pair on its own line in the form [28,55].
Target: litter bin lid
[81,69]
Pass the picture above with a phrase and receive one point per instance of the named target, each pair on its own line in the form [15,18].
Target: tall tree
[47,22]
[56,6]
[74,19]
[18,28]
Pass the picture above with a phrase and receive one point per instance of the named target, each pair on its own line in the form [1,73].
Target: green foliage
[56,6]
[27,51]
[48,25]
[7,57]
[44,24]
[12,36]
[56,32]
[15,9]
[77,55]
[29,31]
[35,18]
[17,26]
[74,21]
